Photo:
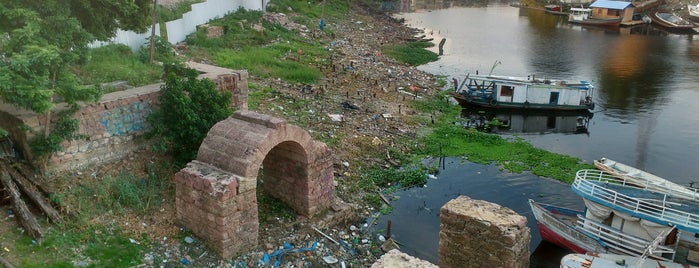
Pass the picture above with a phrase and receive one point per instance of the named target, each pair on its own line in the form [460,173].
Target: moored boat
[604,13]
[595,260]
[618,203]
[693,12]
[571,230]
[672,22]
[528,93]
[624,219]
[555,9]
[644,179]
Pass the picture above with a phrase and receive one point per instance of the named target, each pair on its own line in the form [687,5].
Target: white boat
[524,93]
[594,260]
[672,22]
[693,12]
[579,15]
[623,218]
[644,179]
[604,260]
[569,229]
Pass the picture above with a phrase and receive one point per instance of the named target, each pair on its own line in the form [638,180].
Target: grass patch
[272,51]
[269,62]
[413,53]
[122,193]
[71,246]
[92,238]
[117,63]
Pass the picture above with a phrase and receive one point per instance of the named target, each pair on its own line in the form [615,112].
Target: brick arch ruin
[216,193]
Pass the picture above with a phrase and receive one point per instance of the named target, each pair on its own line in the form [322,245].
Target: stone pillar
[475,233]
[218,207]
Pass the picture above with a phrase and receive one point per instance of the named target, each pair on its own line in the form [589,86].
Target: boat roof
[611,4]
[580,9]
[581,84]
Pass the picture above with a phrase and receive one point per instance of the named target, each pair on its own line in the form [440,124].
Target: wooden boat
[528,93]
[672,22]
[647,180]
[606,260]
[594,260]
[569,229]
[583,16]
[693,12]
[555,9]
[618,204]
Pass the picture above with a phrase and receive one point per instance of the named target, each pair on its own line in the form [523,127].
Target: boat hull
[556,226]
[551,236]
[614,22]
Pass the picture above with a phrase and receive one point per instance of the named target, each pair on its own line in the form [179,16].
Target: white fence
[177,30]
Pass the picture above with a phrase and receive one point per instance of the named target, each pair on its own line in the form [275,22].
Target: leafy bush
[162,51]
[189,107]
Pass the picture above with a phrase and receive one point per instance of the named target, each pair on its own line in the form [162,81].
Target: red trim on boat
[551,236]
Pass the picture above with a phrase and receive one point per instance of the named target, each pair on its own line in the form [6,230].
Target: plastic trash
[330,259]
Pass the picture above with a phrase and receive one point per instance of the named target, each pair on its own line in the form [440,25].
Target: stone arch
[216,194]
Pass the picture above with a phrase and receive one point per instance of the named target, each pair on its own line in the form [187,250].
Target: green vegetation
[97,244]
[449,138]
[413,53]
[271,52]
[189,107]
[117,62]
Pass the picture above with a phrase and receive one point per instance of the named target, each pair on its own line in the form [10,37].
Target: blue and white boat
[624,217]
[524,93]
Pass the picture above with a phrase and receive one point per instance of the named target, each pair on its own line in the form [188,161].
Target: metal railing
[654,183]
[620,242]
[657,208]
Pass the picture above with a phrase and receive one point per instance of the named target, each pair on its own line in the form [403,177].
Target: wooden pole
[152,31]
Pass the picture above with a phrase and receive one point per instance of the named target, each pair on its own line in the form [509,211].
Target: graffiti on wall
[126,119]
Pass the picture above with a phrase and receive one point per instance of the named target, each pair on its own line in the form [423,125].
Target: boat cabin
[526,93]
[607,9]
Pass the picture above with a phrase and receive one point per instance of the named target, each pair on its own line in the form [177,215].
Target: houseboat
[527,93]
[602,13]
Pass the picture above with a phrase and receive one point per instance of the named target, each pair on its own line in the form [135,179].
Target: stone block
[482,234]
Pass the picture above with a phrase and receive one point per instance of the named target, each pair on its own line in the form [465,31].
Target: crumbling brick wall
[114,125]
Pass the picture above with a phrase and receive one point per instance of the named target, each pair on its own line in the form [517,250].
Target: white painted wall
[178,30]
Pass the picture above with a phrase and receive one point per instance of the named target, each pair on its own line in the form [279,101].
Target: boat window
[613,12]
[553,98]
[507,91]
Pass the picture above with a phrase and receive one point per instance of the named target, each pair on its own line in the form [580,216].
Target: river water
[646,114]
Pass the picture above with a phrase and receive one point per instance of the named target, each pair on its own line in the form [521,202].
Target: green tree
[40,40]
[189,107]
